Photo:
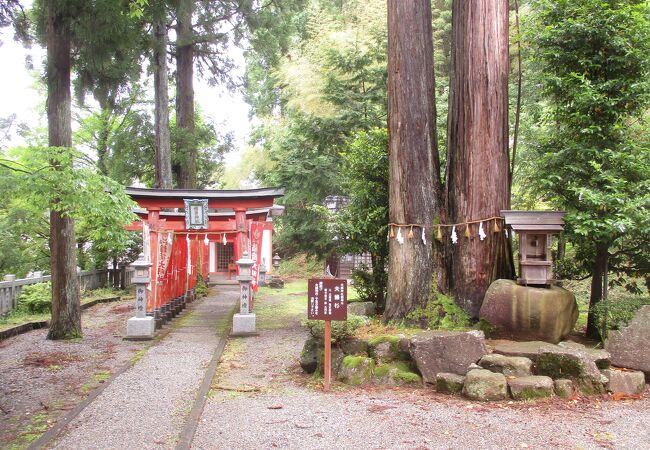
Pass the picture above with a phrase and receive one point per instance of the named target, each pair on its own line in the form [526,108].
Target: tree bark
[186,147]
[163,160]
[597,275]
[414,167]
[477,160]
[66,304]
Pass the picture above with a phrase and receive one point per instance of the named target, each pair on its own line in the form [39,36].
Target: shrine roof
[205,193]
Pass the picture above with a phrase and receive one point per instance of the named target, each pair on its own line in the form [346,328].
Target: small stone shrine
[535,230]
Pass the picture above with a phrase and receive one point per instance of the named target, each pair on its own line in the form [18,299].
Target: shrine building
[187,232]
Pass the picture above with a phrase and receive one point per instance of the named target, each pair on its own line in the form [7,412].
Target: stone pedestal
[140,328]
[243,324]
[529,313]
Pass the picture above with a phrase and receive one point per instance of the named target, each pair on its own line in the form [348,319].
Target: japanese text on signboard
[328,299]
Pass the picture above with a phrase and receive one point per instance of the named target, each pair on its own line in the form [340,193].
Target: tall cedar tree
[163,152]
[413,153]
[66,307]
[186,168]
[477,159]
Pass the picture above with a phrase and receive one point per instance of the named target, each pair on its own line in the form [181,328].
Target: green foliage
[341,329]
[32,177]
[440,313]
[619,313]
[201,288]
[362,225]
[590,63]
[36,298]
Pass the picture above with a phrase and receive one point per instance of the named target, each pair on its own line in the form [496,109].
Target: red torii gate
[174,246]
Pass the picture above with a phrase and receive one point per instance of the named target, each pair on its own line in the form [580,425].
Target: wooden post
[327,370]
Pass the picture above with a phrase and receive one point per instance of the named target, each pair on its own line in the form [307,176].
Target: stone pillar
[241,244]
[263,270]
[12,299]
[141,326]
[243,323]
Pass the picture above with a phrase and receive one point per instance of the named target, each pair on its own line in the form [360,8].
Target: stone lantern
[141,326]
[276,261]
[243,323]
[535,230]
[262,277]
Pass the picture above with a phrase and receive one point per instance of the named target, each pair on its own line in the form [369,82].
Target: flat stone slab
[624,381]
[484,385]
[574,364]
[531,387]
[601,357]
[446,351]
[510,366]
[630,346]
[527,349]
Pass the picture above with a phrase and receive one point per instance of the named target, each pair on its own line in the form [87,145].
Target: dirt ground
[40,380]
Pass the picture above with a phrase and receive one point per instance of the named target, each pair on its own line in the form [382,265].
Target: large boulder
[630,346]
[446,351]
[309,354]
[484,385]
[361,309]
[532,387]
[356,370]
[529,313]
[354,346]
[510,366]
[574,364]
[388,348]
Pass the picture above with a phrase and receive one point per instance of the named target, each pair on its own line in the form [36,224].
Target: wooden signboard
[328,300]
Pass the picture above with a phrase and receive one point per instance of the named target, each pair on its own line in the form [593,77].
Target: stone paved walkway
[146,407]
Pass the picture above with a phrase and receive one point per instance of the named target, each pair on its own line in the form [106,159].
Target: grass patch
[300,266]
[33,430]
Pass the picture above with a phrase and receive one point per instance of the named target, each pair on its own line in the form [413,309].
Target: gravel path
[146,406]
[40,379]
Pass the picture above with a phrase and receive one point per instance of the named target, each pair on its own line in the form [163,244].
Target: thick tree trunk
[163,161]
[413,155]
[477,161]
[186,150]
[66,306]
[597,276]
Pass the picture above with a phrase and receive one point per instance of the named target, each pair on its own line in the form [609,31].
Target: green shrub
[341,330]
[201,288]
[36,298]
[620,312]
[370,286]
[300,266]
[440,314]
